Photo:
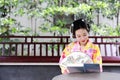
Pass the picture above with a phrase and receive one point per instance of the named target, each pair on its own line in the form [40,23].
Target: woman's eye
[84,34]
[79,36]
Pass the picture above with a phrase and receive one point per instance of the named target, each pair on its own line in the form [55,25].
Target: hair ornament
[83,20]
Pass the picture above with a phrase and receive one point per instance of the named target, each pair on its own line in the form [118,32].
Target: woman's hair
[80,24]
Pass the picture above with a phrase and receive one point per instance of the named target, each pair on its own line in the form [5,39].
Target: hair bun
[80,23]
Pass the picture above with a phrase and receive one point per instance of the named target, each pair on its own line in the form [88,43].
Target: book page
[72,68]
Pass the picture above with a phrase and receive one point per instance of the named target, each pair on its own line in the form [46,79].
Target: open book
[83,68]
[79,62]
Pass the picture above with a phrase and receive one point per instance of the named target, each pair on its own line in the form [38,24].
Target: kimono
[90,49]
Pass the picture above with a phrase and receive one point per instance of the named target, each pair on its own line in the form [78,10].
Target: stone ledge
[54,64]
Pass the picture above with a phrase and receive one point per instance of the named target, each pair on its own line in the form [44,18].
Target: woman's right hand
[65,71]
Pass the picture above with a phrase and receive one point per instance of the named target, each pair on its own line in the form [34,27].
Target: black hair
[80,24]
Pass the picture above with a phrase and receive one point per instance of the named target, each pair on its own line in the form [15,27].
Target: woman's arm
[65,53]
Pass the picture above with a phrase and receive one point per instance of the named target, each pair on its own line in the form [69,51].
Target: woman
[81,32]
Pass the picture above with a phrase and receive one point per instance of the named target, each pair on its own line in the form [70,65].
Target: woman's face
[82,36]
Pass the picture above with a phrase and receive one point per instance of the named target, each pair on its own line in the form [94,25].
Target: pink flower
[63,55]
[94,51]
[98,58]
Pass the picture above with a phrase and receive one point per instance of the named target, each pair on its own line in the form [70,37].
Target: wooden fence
[49,48]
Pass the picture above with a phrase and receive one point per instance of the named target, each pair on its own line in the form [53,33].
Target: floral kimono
[90,49]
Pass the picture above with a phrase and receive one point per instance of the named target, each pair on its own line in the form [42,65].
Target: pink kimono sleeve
[65,52]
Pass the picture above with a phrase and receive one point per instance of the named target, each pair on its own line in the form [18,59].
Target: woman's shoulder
[93,45]
[72,43]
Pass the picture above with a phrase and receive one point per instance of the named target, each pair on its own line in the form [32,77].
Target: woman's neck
[83,45]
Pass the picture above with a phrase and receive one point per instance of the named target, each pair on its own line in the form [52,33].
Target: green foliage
[105,30]
[57,14]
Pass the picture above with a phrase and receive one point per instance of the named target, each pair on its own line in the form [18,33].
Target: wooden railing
[49,48]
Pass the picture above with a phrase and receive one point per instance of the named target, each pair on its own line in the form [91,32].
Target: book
[83,68]
[79,62]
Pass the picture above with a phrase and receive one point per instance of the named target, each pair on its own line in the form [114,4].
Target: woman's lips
[83,41]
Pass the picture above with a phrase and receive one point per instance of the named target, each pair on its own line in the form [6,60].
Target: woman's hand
[65,71]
